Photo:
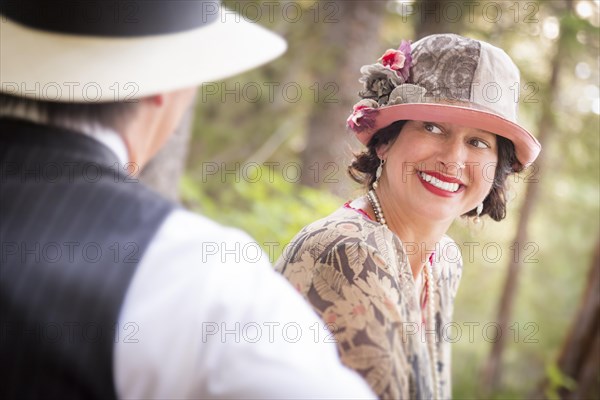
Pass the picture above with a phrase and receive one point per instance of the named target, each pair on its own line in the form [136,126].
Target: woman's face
[439,170]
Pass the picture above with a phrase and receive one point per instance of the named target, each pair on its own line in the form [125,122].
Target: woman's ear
[382,150]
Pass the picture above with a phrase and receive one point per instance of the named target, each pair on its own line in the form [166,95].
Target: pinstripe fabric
[72,232]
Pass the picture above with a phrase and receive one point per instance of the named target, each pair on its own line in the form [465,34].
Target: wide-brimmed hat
[100,51]
[444,78]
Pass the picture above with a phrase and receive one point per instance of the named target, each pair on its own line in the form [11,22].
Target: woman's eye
[480,144]
[432,128]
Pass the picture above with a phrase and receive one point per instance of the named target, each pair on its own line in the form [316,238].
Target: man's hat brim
[59,67]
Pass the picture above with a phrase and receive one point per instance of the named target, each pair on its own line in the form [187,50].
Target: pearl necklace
[374,201]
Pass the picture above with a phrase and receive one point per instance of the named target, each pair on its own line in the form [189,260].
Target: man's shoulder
[187,226]
[192,241]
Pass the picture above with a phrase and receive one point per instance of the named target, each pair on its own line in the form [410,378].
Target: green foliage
[271,208]
[557,380]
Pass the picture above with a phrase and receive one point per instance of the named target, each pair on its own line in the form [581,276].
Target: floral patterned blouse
[355,274]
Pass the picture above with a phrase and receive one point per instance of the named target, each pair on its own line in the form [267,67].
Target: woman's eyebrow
[487,134]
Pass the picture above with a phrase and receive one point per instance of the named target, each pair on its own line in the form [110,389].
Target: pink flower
[363,115]
[398,60]
[393,59]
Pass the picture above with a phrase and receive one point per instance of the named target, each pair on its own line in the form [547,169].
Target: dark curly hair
[363,167]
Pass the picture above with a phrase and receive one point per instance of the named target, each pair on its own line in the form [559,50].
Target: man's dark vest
[73,228]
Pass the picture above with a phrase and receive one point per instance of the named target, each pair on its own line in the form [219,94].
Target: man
[106,289]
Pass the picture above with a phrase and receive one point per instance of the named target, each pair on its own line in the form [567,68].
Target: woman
[438,119]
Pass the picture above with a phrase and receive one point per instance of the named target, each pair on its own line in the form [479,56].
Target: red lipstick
[436,190]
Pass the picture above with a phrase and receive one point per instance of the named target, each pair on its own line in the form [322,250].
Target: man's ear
[156,100]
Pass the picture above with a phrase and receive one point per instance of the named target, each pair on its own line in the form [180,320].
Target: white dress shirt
[206,316]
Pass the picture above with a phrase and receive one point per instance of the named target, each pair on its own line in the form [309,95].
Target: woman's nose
[453,157]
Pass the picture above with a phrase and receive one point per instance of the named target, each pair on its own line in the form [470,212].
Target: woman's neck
[419,235]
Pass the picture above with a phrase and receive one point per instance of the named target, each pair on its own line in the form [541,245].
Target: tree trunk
[579,358]
[580,354]
[491,373]
[350,44]
[164,171]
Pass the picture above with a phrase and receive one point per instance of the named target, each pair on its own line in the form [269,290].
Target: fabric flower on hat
[363,115]
[392,70]
[408,62]
[399,60]
[407,93]
[378,81]
[393,59]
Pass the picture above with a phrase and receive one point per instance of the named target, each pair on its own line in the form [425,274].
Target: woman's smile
[441,185]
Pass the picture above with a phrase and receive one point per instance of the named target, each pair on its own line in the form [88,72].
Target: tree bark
[491,373]
[580,354]
[164,171]
[350,43]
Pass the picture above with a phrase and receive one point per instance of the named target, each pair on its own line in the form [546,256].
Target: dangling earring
[479,210]
[378,174]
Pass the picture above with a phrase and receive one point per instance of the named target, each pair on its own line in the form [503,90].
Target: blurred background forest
[267,152]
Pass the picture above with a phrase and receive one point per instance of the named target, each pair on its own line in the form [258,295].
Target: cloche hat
[444,78]
[100,51]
